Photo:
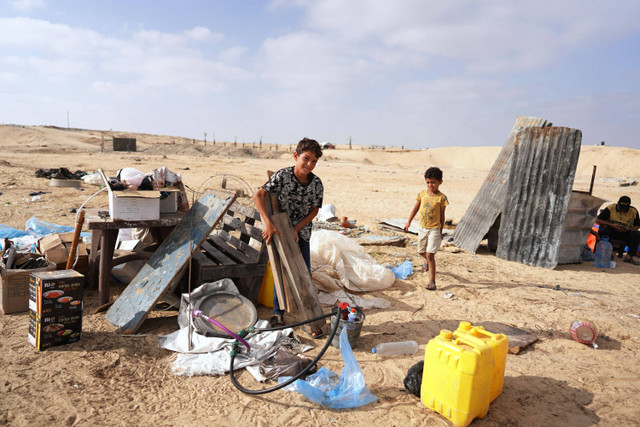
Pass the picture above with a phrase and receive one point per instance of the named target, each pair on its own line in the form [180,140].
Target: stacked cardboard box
[14,295]
[55,308]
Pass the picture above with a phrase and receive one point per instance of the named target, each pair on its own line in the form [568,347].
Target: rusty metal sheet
[489,201]
[541,176]
[163,269]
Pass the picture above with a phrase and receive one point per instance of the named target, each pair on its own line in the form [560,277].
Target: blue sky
[412,73]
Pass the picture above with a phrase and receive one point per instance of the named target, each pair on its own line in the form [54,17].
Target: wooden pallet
[227,252]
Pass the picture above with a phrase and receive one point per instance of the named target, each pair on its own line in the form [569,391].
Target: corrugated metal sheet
[488,203]
[581,214]
[539,186]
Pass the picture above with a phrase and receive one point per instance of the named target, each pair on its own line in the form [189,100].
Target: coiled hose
[302,373]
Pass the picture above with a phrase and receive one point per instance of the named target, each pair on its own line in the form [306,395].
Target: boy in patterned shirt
[431,204]
[299,193]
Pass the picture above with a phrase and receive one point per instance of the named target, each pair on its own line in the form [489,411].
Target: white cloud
[489,36]
[203,34]
[304,61]
[27,5]
[175,61]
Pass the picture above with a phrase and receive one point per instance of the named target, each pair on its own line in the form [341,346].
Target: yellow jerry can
[457,377]
[499,344]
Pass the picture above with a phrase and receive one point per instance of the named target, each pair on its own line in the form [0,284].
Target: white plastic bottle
[395,348]
[353,315]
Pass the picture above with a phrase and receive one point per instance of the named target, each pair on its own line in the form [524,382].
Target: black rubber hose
[299,375]
[303,322]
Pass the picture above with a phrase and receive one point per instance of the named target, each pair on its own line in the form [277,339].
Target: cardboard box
[56,247]
[14,296]
[56,292]
[132,205]
[169,200]
[53,330]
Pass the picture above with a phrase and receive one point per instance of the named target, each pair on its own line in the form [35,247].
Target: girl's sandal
[431,286]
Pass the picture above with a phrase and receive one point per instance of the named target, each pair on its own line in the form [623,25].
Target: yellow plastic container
[457,377]
[499,344]
[265,297]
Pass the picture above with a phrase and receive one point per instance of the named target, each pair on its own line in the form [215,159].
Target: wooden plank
[243,247]
[303,290]
[218,256]
[203,259]
[229,250]
[247,211]
[234,223]
[159,273]
[278,277]
[213,273]
[273,207]
[518,338]
[283,293]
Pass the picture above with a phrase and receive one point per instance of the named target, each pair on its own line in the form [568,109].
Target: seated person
[620,221]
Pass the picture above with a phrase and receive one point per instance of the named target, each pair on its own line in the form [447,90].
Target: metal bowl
[232,310]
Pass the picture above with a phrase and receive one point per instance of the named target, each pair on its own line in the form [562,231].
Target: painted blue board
[161,271]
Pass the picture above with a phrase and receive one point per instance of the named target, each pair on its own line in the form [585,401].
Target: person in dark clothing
[620,221]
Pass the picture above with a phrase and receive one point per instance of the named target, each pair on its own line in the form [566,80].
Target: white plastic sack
[351,266]
[93,179]
[132,177]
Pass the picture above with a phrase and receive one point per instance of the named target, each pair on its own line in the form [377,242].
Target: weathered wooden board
[376,240]
[518,339]
[283,289]
[302,287]
[397,224]
[161,271]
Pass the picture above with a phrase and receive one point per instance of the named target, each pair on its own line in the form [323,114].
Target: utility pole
[349,143]
[205,139]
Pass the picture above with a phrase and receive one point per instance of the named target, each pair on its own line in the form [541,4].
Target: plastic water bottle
[603,253]
[395,348]
[352,315]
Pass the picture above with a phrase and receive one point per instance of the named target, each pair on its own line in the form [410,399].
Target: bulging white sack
[350,266]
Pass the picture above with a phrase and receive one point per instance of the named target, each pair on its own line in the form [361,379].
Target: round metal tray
[234,311]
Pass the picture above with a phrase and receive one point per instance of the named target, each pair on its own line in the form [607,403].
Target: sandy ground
[107,379]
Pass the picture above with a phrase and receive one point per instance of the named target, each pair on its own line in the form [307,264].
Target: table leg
[92,281]
[107,246]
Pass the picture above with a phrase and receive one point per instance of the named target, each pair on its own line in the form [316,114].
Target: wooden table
[104,233]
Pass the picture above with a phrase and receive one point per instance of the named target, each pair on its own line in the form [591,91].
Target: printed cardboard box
[14,295]
[56,292]
[52,330]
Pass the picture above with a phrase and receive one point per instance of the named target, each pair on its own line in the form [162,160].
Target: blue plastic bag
[37,228]
[7,232]
[402,271]
[326,388]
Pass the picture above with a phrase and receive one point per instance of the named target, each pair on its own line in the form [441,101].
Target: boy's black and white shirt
[295,198]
